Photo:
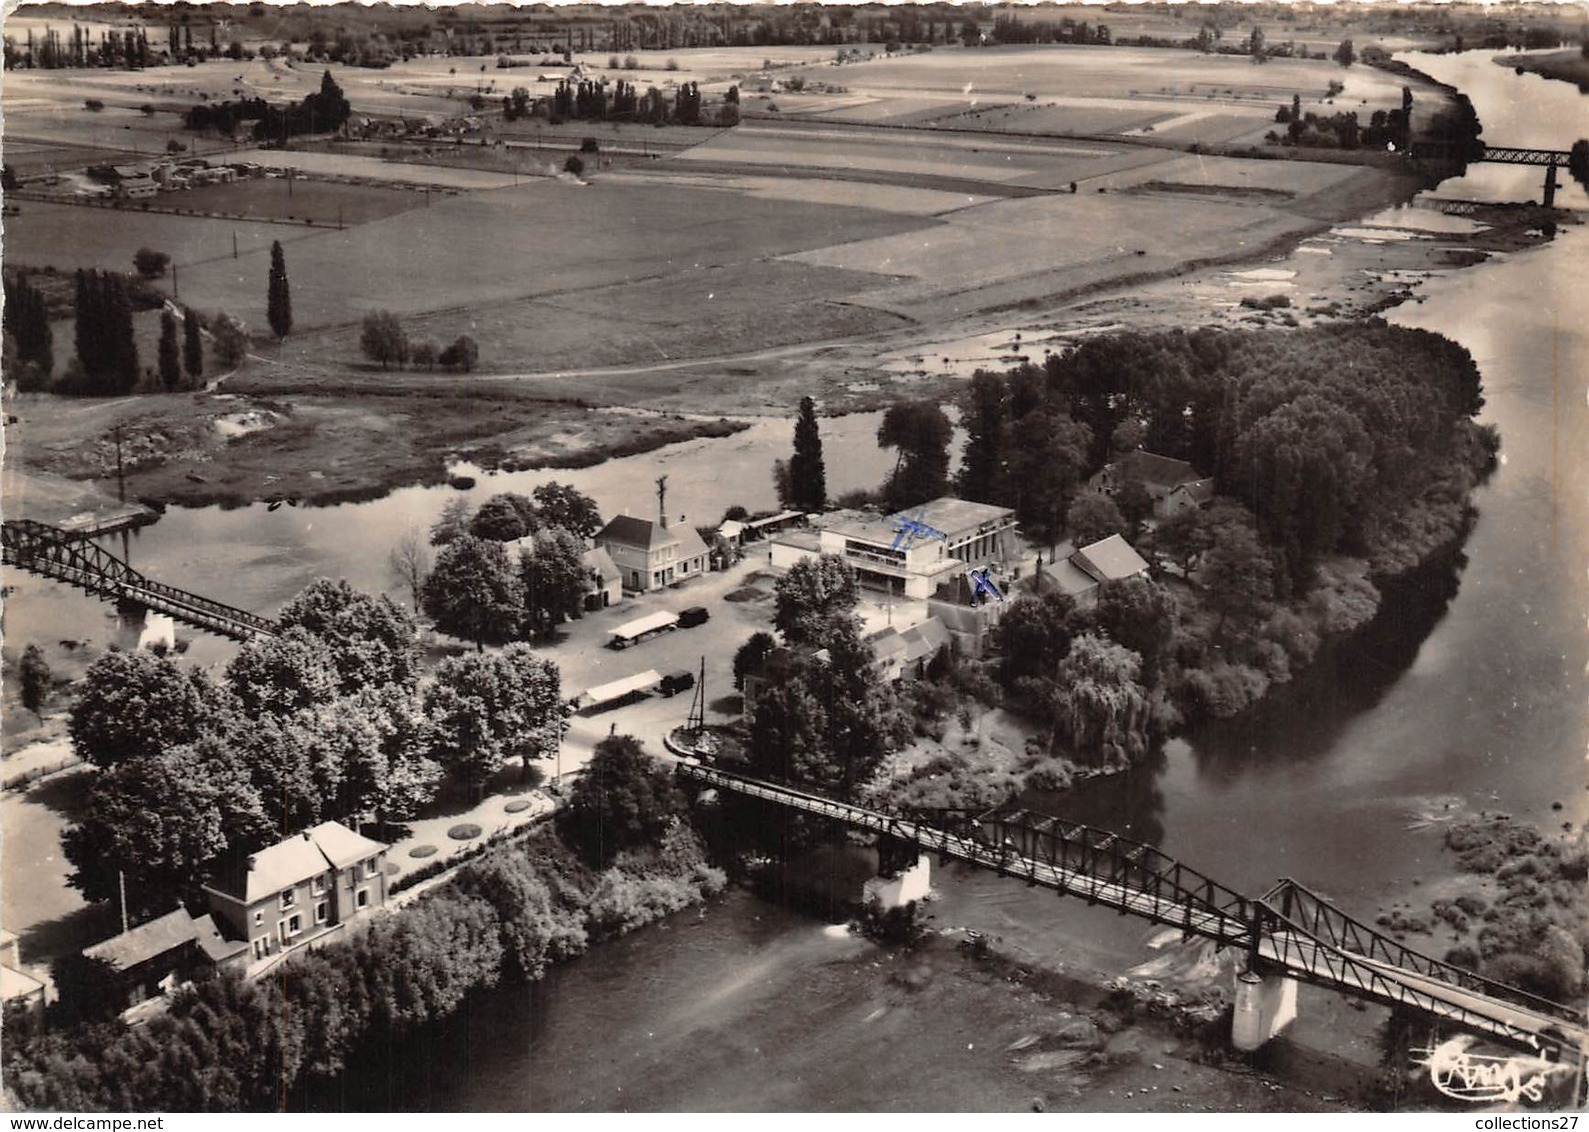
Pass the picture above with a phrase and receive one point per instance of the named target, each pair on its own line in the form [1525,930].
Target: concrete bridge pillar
[1550,186]
[1265,1005]
[905,887]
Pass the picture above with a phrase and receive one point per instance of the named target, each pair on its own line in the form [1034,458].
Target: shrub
[150,263]
[574,165]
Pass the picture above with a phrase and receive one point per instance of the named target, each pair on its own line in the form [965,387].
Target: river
[1468,693]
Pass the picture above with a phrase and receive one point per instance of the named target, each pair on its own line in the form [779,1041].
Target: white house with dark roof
[650,555]
[299,890]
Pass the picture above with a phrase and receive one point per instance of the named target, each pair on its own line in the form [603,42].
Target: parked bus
[641,628]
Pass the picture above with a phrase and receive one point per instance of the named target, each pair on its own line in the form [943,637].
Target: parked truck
[643,628]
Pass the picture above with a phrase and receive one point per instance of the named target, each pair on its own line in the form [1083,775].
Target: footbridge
[79,561]
[1550,159]
[1288,934]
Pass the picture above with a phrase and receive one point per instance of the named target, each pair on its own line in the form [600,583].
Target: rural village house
[605,586]
[1110,559]
[651,555]
[154,959]
[17,987]
[1173,485]
[301,889]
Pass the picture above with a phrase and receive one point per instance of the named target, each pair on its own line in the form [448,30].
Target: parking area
[739,601]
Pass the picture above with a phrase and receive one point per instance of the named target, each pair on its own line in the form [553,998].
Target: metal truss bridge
[79,561]
[1550,159]
[1288,931]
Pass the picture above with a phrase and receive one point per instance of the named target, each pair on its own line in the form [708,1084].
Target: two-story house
[300,889]
[651,555]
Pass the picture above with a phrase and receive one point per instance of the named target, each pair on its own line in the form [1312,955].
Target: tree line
[323,111]
[328,720]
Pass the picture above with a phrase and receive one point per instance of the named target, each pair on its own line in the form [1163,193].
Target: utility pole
[234,245]
[121,885]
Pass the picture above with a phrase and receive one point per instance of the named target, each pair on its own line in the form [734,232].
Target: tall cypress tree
[808,476]
[123,347]
[85,312]
[192,345]
[170,351]
[279,300]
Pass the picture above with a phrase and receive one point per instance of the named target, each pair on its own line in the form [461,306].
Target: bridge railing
[80,561]
[1310,913]
[1290,926]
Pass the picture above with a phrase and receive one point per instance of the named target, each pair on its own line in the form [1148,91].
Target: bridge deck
[76,560]
[1109,870]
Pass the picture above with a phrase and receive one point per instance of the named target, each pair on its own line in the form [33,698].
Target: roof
[1199,491]
[617,689]
[951,517]
[216,947]
[642,533]
[1150,468]
[731,528]
[808,541]
[341,846]
[18,984]
[147,941]
[329,845]
[690,542]
[924,640]
[661,619]
[889,645]
[600,562]
[1110,559]
[1070,579]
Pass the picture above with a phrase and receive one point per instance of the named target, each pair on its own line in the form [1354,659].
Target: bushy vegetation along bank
[230,1045]
[1530,927]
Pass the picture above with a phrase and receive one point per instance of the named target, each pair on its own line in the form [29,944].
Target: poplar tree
[279,301]
[808,478]
[192,345]
[170,352]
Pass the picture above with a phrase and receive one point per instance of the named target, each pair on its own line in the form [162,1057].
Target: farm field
[1064,69]
[281,199]
[900,153]
[371,168]
[543,238]
[899,199]
[1012,239]
[69,236]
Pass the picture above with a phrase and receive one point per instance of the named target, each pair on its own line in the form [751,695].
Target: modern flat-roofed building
[912,552]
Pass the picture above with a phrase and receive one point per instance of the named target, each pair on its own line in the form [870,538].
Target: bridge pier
[141,628]
[1550,186]
[1265,1005]
[905,887]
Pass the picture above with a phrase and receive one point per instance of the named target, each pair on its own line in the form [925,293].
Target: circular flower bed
[422,851]
[468,831]
[517,806]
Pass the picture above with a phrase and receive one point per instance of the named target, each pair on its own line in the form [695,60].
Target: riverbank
[1565,66]
[319,433]
[231,449]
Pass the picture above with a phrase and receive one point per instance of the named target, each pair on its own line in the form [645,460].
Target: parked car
[675,682]
[693,616]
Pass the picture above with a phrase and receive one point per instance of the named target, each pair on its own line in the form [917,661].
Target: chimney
[306,836]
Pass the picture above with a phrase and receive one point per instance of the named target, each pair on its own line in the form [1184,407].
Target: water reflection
[1303,720]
